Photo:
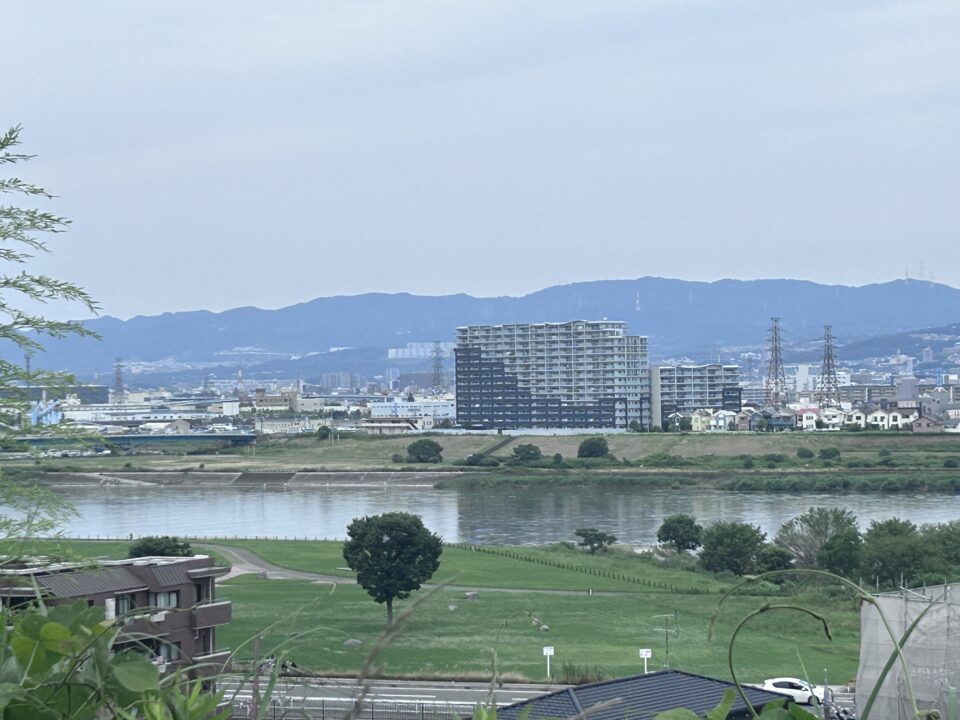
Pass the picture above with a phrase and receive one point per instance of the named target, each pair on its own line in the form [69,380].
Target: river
[487,516]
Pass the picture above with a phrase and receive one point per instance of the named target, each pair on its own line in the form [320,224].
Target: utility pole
[775,383]
[829,390]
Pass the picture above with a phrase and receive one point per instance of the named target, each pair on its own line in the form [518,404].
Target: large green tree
[893,551]
[682,531]
[804,535]
[393,554]
[731,546]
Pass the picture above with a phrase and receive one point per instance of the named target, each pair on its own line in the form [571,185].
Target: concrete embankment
[266,480]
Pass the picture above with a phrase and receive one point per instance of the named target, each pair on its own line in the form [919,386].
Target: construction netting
[932,652]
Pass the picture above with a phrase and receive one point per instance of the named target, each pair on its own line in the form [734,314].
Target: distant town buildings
[577,374]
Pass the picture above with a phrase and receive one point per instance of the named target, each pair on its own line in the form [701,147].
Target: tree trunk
[389,611]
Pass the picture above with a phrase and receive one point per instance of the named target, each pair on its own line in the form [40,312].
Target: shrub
[774,457]
[425,451]
[159,546]
[480,460]
[884,453]
[805,453]
[593,447]
[830,453]
[398,458]
[525,453]
[748,463]
[557,458]
[951,463]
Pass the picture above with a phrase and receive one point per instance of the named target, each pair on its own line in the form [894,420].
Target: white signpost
[646,655]
[548,653]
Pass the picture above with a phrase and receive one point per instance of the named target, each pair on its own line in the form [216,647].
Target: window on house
[125,603]
[166,599]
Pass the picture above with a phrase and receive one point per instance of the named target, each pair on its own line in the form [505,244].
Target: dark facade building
[168,605]
[578,374]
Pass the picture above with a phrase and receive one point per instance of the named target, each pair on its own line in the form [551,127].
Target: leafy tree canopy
[682,531]
[425,451]
[593,447]
[804,535]
[393,554]
[594,539]
[841,554]
[525,453]
[731,546]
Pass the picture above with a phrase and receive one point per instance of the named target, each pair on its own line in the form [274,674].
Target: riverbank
[813,480]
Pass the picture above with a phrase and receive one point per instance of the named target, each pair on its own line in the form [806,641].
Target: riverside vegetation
[822,461]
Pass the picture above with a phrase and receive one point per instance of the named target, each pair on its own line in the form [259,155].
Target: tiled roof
[638,697]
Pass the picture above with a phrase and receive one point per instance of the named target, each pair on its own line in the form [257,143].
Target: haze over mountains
[681,318]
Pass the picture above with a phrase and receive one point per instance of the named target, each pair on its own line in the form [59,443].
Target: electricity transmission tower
[439,376]
[119,393]
[775,383]
[828,394]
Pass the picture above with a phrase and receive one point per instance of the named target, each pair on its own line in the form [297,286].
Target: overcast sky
[217,154]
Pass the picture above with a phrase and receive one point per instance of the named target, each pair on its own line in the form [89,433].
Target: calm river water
[501,516]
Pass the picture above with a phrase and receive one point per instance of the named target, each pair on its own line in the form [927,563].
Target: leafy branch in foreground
[22,236]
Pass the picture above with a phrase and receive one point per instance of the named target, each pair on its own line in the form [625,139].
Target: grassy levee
[673,454]
[450,636]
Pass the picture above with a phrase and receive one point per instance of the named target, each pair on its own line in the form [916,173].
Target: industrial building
[577,374]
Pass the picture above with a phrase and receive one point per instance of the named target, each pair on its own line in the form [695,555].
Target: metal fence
[308,708]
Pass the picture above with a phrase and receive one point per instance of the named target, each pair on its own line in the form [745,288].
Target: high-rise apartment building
[685,388]
[578,374]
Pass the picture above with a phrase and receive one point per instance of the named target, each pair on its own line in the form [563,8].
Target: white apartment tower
[577,374]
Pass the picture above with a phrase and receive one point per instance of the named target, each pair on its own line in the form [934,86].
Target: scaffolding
[932,652]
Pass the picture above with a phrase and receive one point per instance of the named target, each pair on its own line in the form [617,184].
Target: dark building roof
[639,697]
[90,582]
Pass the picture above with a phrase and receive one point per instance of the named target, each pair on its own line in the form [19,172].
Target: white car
[801,691]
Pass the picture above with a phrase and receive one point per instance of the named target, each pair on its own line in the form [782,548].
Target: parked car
[801,691]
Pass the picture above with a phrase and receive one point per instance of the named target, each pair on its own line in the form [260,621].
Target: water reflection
[493,516]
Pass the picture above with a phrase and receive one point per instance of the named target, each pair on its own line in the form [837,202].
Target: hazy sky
[216,154]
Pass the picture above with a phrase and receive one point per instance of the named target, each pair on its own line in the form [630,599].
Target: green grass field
[451,636]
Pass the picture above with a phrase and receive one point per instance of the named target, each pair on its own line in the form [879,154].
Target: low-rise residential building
[167,605]
[924,424]
[700,420]
[723,420]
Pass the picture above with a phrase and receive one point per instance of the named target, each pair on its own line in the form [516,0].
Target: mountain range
[681,318]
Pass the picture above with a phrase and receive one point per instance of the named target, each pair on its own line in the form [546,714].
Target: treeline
[888,554]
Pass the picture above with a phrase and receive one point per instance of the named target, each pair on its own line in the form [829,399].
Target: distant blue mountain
[680,318]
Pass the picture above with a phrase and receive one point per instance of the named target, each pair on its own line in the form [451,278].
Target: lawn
[450,636]
[554,567]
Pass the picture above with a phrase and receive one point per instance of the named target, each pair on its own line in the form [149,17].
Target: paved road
[245,561]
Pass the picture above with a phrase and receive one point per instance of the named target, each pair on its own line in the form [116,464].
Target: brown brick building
[168,604]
